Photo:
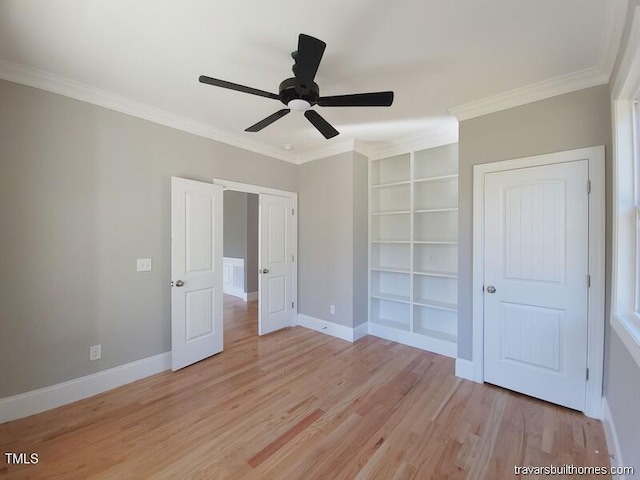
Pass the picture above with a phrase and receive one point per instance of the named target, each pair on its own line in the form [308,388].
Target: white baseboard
[611,436]
[235,292]
[360,331]
[430,344]
[251,296]
[36,401]
[329,328]
[464,369]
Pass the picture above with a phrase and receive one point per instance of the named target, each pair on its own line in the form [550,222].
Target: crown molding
[598,74]
[571,82]
[86,93]
[627,77]
[328,151]
[615,18]
[363,148]
[102,98]
[432,138]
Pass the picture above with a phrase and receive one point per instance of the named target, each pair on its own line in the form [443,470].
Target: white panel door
[536,266]
[196,271]
[276,263]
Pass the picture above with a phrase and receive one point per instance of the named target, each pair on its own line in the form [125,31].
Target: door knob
[179,283]
[491,289]
[265,270]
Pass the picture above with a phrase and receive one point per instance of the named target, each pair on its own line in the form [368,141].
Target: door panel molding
[595,340]
[196,269]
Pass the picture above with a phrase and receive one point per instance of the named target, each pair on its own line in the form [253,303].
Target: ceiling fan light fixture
[300,92]
[299,105]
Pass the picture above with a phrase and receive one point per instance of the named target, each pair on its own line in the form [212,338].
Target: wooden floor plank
[298,404]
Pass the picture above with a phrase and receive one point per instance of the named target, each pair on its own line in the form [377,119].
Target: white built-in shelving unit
[413,250]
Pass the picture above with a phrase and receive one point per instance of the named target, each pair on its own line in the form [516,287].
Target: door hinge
[588,281]
[588,187]
[293,211]
[587,374]
[483,288]
[291,304]
[293,258]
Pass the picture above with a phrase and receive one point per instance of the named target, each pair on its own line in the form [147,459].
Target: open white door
[196,271]
[276,263]
[536,295]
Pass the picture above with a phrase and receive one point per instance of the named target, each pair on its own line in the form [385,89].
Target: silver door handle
[491,289]
[265,270]
[179,283]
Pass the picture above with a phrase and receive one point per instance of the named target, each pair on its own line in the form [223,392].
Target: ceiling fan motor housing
[289,92]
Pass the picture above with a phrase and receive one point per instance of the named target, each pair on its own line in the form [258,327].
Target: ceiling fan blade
[376,99]
[235,86]
[268,121]
[308,56]
[321,124]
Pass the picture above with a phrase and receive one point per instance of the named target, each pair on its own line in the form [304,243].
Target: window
[625,317]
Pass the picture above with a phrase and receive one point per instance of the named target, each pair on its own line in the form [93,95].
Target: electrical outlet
[143,265]
[95,352]
[332,309]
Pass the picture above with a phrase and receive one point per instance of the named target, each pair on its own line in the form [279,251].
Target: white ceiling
[435,55]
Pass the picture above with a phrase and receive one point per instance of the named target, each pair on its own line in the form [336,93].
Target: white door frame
[258,189]
[595,341]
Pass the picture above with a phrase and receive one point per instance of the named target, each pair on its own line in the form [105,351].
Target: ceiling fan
[300,92]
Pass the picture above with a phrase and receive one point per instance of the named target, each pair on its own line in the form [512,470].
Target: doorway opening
[197,265]
[240,265]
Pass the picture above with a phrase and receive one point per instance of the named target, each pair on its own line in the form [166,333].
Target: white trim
[625,83]
[235,292]
[412,143]
[615,19]
[611,436]
[251,296]
[597,232]
[233,284]
[361,147]
[464,368]
[330,150]
[595,359]
[628,330]
[329,328]
[255,189]
[95,96]
[360,331]
[625,87]
[36,401]
[598,74]
[431,344]
[589,77]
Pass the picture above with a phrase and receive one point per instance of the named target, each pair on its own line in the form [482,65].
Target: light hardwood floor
[298,404]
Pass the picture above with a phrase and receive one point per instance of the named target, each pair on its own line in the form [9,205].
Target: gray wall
[235,224]
[332,239]
[622,393]
[84,191]
[574,120]
[360,238]
[325,239]
[251,267]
